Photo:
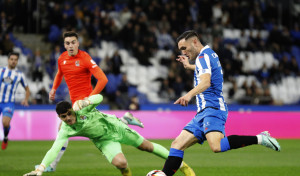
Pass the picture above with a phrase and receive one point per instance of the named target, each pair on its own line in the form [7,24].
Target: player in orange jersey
[77,67]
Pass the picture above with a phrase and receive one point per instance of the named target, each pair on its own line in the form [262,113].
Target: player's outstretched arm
[93,100]
[101,80]
[38,171]
[25,101]
[57,80]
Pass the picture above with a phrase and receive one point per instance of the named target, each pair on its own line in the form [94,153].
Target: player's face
[12,61]
[69,117]
[187,48]
[71,45]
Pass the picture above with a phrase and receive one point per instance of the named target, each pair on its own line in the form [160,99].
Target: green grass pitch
[82,158]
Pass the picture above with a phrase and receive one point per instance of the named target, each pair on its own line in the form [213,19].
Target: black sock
[172,164]
[236,141]
[6,131]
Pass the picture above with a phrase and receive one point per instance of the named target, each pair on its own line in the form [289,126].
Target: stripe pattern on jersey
[208,62]
[9,81]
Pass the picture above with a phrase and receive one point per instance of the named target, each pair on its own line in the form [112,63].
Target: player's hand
[36,172]
[184,100]
[25,102]
[80,104]
[52,94]
[184,60]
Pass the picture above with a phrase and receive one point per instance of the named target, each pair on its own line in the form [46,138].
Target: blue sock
[176,152]
[225,144]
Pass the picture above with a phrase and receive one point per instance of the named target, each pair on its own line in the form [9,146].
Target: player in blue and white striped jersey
[212,112]
[10,78]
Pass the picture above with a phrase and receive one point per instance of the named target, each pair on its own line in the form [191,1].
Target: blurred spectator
[165,41]
[37,59]
[122,98]
[294,67]
[134,103]
[6,45]
[42,96]
[51,64]
[115,63]
[243,41]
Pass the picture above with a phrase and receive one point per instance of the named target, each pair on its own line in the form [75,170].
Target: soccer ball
[156,173]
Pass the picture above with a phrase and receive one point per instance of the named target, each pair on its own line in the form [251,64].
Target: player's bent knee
[119,161]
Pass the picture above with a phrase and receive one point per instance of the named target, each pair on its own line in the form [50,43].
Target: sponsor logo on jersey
[77,63]
[64,62]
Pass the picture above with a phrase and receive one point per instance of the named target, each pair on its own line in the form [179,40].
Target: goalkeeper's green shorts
[111,146]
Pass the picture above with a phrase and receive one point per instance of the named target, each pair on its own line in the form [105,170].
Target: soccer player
[77,67]
[106,131]
[209,122]
[10,77]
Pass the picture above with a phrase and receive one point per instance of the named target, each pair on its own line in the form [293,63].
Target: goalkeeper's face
[69,117]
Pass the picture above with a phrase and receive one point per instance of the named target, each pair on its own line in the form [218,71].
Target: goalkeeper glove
[80,104]
[38,171]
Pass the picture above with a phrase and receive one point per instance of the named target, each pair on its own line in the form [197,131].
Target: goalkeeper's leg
[120,162]
[129,119]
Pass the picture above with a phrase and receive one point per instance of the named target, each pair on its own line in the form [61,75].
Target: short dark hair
[70,34]
[187,34]
[63,107]
[13,53]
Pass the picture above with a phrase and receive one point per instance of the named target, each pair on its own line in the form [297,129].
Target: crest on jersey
[82,117]
[7,80]
[77,63]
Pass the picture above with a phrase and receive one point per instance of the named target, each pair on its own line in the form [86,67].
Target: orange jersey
[77,71]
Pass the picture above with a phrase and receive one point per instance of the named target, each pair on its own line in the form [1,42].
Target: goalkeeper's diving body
[77,67]
[106,131]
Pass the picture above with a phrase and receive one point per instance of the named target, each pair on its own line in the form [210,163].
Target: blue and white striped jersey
[9,81]
[208,62]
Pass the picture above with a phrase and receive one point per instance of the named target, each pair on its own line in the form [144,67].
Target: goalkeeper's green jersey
[90,123]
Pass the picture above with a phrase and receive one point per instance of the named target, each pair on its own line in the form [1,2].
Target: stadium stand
[259,45]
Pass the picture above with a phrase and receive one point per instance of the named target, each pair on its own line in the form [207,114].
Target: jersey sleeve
[23,80]
[98,74]
[56,147]
[58,78]
[203,64]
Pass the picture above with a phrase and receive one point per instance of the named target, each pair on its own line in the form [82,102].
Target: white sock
[259,139]
[60,154]
[123,120]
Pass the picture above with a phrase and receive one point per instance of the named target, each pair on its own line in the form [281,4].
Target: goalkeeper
[106,131]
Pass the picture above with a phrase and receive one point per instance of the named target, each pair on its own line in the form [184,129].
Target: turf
[82,158]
